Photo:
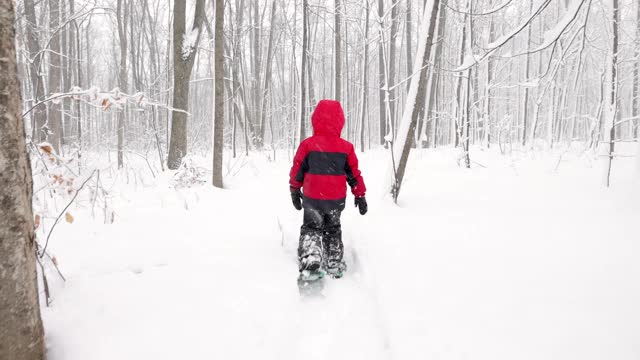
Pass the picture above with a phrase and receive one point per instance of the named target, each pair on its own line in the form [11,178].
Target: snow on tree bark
[264,99]
[365,62]
[21,332]
[122,75]
[611,108]
[381,79]
[525,105]
[337,56]
[391,80]
[37,81]
[426,124]
[55,63]
[303,69]
[181,76]
[416,97]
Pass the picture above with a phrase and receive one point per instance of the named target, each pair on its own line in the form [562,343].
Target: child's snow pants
[321,236]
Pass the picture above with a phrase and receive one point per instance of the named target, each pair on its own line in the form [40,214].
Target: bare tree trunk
[236,59]
[488,95]
[459,120]
[610,131]
[382,78]
[417,95]
[365,61]
[636,78]
[265,98]
[527,72]
[467,104]
[122,75]
[337,56]
[392,63]
[311,96]
[78,59]
[21,332]
[55,64]
[218,117]
[407,32]
[38,115]
[429,118]
[303,70]
[65,70]
[185,47]
[256,80]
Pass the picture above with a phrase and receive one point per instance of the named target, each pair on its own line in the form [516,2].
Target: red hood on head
[328,118]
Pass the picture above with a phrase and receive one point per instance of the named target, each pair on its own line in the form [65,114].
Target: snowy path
[507,263]
[342,325]
[194,274]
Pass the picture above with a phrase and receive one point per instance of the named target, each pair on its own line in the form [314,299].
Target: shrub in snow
[189,174]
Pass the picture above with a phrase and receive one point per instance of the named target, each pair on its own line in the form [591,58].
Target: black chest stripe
[324,163]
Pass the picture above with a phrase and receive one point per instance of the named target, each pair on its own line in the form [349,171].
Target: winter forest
[146,148]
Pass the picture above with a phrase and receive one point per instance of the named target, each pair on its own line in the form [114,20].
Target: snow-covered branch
[106,100]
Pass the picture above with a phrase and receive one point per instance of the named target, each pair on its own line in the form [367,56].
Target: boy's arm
[299,168]
[354,177]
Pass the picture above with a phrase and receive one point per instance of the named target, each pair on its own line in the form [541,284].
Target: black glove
[361,204]
[296,198]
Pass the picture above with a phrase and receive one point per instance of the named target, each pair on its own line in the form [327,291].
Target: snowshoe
[336,269]
[310,282]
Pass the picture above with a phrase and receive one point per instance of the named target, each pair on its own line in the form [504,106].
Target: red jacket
[325,163]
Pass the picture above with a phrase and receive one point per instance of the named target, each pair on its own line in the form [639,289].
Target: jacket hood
[328,118]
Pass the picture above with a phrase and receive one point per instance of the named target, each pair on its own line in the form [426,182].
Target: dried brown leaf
[69,218]
[46,148]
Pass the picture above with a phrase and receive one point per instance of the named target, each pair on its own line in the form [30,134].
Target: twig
[145,159]
[395,189]
[281,231]
[52,261]
[477,163]
[63,211]
[95,196]
[44,281]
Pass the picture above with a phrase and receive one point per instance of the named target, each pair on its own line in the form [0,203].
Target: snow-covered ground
[527,257]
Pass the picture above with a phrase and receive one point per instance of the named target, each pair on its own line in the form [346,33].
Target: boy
[323,165]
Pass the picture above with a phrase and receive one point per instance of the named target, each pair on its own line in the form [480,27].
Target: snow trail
[341,325]
[193,274]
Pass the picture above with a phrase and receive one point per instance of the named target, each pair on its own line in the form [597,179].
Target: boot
[336,268]
[310,252]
